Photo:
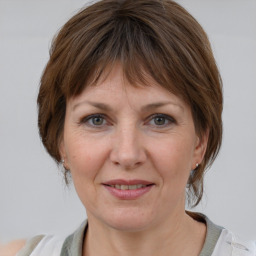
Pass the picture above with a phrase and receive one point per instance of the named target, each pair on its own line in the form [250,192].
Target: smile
[128,187]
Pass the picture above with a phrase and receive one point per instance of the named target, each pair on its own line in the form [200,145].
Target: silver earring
[63,164]
[197,164]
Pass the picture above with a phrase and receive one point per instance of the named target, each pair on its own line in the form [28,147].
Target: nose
[128,151]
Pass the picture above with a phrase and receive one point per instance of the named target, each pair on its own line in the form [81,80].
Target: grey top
[73,244]
[212,235]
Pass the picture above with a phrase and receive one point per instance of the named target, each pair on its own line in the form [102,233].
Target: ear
[63,154]
[61,149]
[200,149]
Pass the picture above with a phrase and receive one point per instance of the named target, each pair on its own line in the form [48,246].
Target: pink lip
[128,194]
[127,182]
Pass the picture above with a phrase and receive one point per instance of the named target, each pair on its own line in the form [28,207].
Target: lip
[127,182]
[128,194]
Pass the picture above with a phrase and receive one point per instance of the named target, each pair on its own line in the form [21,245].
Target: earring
[63,164]
[192,173]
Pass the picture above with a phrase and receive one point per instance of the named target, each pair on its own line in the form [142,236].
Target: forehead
[114,88]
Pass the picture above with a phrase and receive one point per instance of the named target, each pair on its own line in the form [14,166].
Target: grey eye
[159,120]
[94,121]
[98,120]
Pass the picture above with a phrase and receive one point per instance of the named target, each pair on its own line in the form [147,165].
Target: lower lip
[128,194]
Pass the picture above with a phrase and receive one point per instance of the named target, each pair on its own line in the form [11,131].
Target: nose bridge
[128,150]
[128,140]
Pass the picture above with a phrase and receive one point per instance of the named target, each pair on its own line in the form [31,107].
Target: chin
[129,221]
[129,226]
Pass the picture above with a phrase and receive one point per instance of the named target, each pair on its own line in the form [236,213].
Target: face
[130,151]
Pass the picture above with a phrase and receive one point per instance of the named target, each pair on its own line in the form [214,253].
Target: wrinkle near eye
[165,120]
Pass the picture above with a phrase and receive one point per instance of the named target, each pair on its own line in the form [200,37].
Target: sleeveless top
[218,242]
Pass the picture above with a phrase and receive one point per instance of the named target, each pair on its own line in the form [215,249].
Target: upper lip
[127,182]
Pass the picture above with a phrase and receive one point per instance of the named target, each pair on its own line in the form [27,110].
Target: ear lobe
[62,150]
[201,147]
[63,155]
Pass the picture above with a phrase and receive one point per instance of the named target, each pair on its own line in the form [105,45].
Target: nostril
[127,165]
[128,157]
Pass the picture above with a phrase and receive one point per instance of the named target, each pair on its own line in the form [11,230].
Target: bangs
[123,40]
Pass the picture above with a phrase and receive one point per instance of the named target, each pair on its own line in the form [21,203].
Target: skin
[131,140]
[11,248]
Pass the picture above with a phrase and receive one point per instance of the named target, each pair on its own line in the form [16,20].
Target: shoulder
[42,245]
[228,243]
[222,242]
[12,248]
[47,245]
[36,246]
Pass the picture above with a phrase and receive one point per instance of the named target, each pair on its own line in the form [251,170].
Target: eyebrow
[98,105]
[148,107]
[160,104]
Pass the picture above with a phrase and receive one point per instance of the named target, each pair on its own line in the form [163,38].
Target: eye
[96,120]
[161,120]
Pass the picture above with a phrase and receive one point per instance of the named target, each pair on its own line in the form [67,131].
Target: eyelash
[89,118]
[167,118]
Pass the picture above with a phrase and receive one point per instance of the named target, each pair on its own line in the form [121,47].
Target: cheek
[85,156]
[173,159]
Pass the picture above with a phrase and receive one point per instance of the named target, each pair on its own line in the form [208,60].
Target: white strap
[229,245]
[241,247]
[49,246]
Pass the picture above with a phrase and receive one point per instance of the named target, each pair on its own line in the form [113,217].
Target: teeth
[124,187]
[133,187]
[128,187]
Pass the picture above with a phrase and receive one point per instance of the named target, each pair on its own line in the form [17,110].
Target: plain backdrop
[33,197]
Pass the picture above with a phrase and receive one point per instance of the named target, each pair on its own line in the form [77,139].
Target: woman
[130,103]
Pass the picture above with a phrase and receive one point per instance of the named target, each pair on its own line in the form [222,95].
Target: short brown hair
[148,37]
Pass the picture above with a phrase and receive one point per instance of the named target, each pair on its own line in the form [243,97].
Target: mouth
[128,190]
[128,187]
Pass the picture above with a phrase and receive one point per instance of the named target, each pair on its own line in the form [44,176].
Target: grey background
[33,198]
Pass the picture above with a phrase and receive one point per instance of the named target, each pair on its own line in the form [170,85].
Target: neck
[166,238]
